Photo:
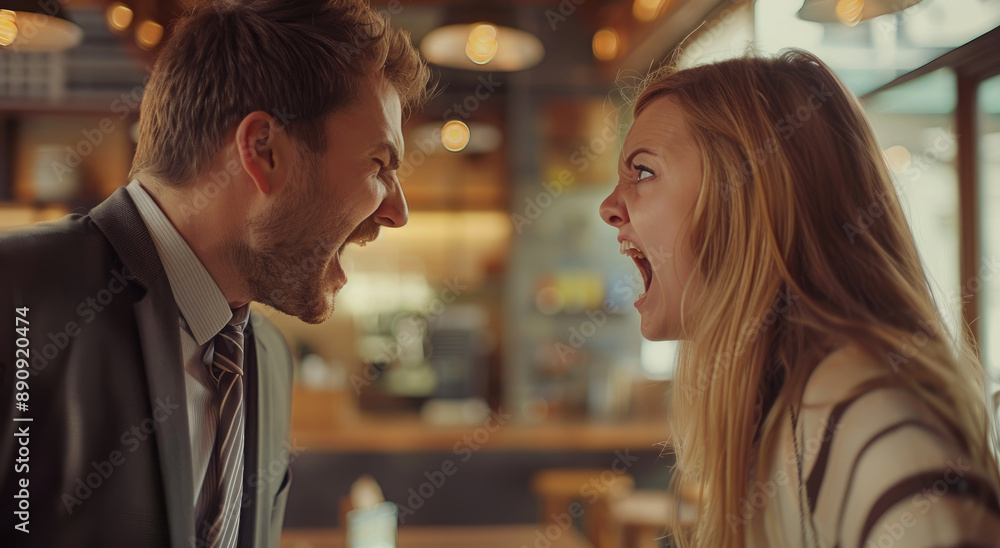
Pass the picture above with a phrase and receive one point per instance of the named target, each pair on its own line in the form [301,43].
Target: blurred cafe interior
[484,367]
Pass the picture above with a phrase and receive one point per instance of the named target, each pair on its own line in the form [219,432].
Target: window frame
[972,63]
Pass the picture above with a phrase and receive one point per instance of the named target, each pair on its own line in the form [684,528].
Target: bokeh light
[119,16]
[8,27]
[605,44]
[646,10]
[483,33]
[898,158]
[148,34]
[849,11]
[482,45]
[455,136]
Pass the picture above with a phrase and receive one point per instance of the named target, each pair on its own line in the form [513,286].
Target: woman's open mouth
[639,258]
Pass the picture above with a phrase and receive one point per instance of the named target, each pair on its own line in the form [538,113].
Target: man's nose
[392,212]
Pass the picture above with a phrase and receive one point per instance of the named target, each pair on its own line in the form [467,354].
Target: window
[876,51]
[915,126]
[988,273]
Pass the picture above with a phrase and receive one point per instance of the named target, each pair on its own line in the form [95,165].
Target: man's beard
[286,252]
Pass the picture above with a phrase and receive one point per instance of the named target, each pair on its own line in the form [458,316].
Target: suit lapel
[262,435]
[157,319]
[248,508]
[159,333]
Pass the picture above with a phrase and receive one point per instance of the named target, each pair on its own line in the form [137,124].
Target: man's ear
[263,151]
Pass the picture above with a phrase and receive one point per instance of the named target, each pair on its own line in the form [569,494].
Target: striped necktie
[218,507]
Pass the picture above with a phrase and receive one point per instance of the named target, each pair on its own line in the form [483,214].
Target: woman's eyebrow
[628,161]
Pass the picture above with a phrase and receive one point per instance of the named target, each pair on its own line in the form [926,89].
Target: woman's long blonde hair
[799,240]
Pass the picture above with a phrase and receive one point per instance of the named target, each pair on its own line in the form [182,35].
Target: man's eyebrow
[390,148]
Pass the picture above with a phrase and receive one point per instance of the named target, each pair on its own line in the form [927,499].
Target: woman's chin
[650,329]
[655,328]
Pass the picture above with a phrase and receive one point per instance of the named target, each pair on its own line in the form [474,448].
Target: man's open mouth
[361,242]
[645,268]
[366,232]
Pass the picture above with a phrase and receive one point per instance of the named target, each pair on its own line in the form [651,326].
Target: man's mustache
[364,233]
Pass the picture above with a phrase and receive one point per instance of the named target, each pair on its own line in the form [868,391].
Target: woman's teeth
[628,248]
[645,269]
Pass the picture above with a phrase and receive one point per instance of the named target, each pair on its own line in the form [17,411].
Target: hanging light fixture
[850,12]
[482,46]
[39,26]
[482,36]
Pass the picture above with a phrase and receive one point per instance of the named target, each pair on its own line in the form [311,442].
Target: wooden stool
[642,517]
[591,488]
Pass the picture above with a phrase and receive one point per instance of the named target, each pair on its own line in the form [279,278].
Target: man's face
[291,255]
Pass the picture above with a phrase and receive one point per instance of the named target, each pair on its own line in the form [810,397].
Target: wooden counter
[410,434]
[321,423]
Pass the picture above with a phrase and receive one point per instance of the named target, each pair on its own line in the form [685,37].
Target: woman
[819,399]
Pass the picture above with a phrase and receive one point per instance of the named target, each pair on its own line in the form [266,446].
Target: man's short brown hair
[299,61]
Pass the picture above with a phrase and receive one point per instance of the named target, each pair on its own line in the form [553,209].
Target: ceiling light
[646,10]
[8,27]
[455,136]
[605,44]
[148,35]
[483,137]
[471,47]
[482,45]
[850,12]
[37,26]
[119,16]
[481,54]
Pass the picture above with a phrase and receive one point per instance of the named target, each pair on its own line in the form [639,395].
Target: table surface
[492,536]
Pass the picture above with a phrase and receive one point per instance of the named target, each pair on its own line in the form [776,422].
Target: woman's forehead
[660,124]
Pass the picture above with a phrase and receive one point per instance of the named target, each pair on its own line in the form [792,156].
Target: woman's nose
[612,210]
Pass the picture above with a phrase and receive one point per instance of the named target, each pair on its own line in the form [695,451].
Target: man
[143,404]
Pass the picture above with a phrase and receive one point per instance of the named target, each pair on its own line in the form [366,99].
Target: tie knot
[238,322]
[228,352]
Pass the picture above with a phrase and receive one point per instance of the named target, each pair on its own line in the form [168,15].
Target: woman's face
[659,175]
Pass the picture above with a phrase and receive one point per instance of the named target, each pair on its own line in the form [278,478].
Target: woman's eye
[644,172]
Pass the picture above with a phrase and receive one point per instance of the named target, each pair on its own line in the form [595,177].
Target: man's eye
[643,170]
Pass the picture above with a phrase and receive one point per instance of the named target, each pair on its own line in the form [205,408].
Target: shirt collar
[199,299]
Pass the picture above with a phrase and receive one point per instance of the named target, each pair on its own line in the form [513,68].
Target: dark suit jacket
[106,454]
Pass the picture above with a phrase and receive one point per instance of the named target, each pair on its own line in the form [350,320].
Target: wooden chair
[642,517]
[592,488]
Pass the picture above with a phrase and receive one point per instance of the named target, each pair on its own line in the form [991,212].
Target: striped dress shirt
[204,311]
